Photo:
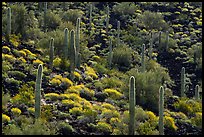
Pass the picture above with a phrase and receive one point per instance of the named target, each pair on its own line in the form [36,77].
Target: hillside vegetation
[101,68]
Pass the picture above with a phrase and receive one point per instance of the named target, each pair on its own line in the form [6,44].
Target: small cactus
[72,54]
[183,83]
[197,92]
[51,52]
[66,45]
[143,58]
[132,106]
[118,33]
[110,55]
[38,90]
[161,111]
[8,24]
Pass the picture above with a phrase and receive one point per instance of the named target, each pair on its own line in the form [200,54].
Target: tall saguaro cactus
[110,55]
[107,20]
[72,54]
[143,58]
[90,14]
[118,33]
[160,38]
[51,52]
[183,82]
[197,92]
[77,41]
[38,90]
[45,17]
[8,33]
[167,41]
[66,46]
[132,106]
[161,110]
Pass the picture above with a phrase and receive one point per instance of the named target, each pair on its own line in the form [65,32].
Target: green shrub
[103,127]
[64,128]
[197,119]
[72,15]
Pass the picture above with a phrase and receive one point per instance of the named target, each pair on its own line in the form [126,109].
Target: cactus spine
[38,90]
[72,54]
[45,17]
[8,24]
[51,52]
[77,42]
[66,46]
[161,110]
[132,106]
[167,40]
[118,33]
[183,78]
[143,58]
[197,92]
[107,20]
[110,55]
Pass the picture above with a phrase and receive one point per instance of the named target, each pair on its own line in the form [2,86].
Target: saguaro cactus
[132,106]
[8,33]
[183,82]
[167,41]
[110,55]
[197,92]
[66,46]
[160,38]
[38,90]
[118,33]
[72,54]
[143,58]
[77,40]
[161,110]
[90,14]
[107,20]
[51,52]
[45,17]
[151,46]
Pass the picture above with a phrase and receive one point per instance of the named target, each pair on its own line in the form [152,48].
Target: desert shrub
[153,20]
[112,93]
[51,96]
[197,119]
[13,81]
[5,118]
[5,49]
[57,62]
[122,57]
[72,15]
[108,106]
[76,111]
[90,72]
[16,111]
[53,20]
[17,74]
[64,128]
[8,57]
[108,114]
[169,122]
[103,127]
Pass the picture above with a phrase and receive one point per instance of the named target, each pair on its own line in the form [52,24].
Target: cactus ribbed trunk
[118,33]
[77,41]
[8,33]
[110,55]
[167,41]
[197,92]
[66,46]
[51,52]
[161,111]
[38,90]
[160,39]
[45,17]
[183,77]
[132,106]
[107,20]
[90,14]
[143,58]
[72,54]
[79,61]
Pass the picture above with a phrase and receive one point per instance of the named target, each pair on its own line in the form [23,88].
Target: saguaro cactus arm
[38,91]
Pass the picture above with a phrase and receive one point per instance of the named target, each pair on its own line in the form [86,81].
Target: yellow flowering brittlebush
[16,111]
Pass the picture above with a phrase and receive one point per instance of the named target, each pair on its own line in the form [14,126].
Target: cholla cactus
[51,52]
[132,106]
[161,110]
[38,90]
[8,33]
